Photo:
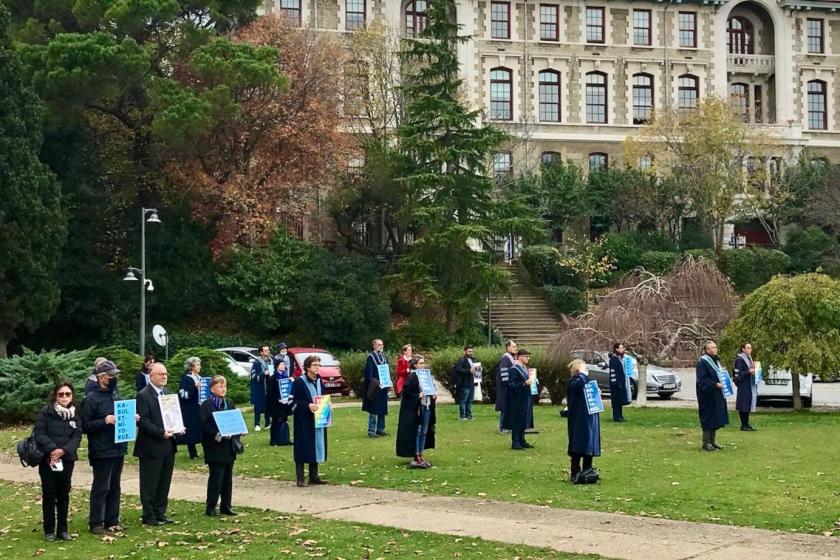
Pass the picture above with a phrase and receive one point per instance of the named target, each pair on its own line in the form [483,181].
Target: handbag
[238,446]
[29,453]
[373,388]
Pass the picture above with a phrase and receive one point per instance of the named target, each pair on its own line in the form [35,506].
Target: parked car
[660,381]
[330,373]
[244,356]
[236,368]
[777,385]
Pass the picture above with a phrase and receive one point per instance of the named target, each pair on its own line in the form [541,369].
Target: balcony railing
[756,63]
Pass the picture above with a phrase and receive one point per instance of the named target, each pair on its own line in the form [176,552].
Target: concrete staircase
[523,316]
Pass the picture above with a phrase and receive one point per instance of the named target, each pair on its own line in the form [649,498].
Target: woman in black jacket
[58,432]
[416,429]
[218,450]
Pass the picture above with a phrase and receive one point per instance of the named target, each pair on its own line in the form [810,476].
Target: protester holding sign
[462,375]
[58,433]
[310,442]
[375,393]
[279,405]
[710,400]
[416,429]
[155,447]
[506,362]
[188,395]
[745,378]
[618,382]
[584,428]
[518,403]
[219,451]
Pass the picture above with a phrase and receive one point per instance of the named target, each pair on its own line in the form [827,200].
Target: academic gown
[502,370]
[258,384]
[304,429]
[745,381]
[618,381]
[710,401]
[379,404]
[278,411]
[410,419]
[584,429]
[190,411]
[518,399]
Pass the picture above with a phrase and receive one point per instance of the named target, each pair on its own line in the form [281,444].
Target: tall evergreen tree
[33,225]
[457,204]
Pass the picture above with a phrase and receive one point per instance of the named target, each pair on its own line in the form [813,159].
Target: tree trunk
[797,399]
[3,347]
[641,394]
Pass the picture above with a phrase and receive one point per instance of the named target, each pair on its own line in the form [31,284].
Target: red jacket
[402,373]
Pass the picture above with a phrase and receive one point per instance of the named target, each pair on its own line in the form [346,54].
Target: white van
[777,385]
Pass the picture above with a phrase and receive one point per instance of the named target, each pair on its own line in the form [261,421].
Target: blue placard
[592,393]
[230,422]
[285,384]
[384,375]
[535,384]
[126,427]
[427,384]
[628,365]
[726,381]
[204,389]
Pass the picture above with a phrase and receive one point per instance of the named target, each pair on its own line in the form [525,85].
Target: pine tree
[33,224]
[448,154]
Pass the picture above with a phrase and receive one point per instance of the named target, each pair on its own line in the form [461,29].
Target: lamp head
[130,277]
[153,218]
[149,286]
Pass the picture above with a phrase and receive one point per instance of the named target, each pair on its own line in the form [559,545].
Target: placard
[126,427]
[204,389]
[323,415]
[726,381]
[285,384]
[759,373]
[629,366]
[628,373]
[477,373]
[170,411]
[427,384]
[592,394]
[384,376]
[532,377]
[230,422]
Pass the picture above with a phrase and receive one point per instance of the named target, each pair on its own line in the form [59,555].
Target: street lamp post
[146,215]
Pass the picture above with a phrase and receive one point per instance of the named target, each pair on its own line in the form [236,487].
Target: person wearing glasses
[416,429]
[310,445]
[58,432]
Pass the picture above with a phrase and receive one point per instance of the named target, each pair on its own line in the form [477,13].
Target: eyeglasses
[64,394]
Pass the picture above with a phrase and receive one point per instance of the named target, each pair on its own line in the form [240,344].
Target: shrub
[748,269]
[809,249]
[423,333]
[543,263]
[212,363]
[353,369]
[707,254]
[127,362]
[627,248]
[27,380]
[552,375]
[659,262]
[441,362]
[565,299]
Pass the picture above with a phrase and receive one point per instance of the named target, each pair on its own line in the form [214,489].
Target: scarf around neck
[65,413]
[748,359]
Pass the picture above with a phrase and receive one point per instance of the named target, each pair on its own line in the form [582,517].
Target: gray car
[660,381]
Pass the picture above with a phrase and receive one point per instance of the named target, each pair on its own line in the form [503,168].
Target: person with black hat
[282,355]
[517,401]
[106,457]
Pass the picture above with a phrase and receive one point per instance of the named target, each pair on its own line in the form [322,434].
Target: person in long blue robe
[188,397]
[506,362]
[261,371]
[711,404]
[310,445]
[618,383]
[374,396]
[744,377]
[518,401]
[584,429]
[278,410]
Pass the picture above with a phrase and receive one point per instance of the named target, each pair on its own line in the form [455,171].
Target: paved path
[611,535]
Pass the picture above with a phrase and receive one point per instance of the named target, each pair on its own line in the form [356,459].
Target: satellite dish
[160,336]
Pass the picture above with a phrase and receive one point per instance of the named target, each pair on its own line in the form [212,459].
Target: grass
[782,477]
[254,534]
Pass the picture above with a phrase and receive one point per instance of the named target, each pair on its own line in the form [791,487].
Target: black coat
[215,452]
[518,399]
[462,373]
[378,405]
[304,428]
[190,411]
[745,381]
[410,403]
[276,409]
[584,429]
[98,404]
[141,380]
[618,380]
[151,444]
[710,401]
[54,432]
[502,371]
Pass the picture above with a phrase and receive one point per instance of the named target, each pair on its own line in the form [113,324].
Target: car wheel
[345,393]
[807,402]
[666,396]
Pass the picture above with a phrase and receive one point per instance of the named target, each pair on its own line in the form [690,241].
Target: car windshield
[327,360]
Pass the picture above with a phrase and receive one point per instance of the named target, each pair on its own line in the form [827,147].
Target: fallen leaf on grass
[296,531]
[39,552]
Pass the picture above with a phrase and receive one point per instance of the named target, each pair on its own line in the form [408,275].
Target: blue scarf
[218,403]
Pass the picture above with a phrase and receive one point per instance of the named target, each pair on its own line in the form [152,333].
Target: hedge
[565,299]
[212,363]
[627,248]
[659,262]
[748,269]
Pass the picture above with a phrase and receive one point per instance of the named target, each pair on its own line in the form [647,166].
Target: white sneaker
[257,429]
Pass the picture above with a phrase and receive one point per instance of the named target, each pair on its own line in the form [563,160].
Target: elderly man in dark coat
[744,378]
[584,429]
[506,362]
[261,371]
[710,400]
[374,396]
[518,401]
[618,382]
[310,442]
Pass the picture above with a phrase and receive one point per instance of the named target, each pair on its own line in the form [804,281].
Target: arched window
[598,161]
[416,17]
[549,93]
[596,98]
[740,36]
[501,94]
[739,99]
[688,90]
[642,98]
[817,113]
[549,158]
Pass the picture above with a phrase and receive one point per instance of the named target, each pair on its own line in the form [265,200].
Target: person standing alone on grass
[745,380]
[310,442]
[518,399]
[502,371]
[464,380]
[261,371]
[618,382]
[711,404]
[584,428]
[374,396]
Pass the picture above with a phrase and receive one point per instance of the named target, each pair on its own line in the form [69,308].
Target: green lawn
[782,477]
[254,534]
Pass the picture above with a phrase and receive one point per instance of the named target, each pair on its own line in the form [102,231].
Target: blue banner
[532,374]
[726,381]
[628,365]
[230,422]
[592,393]
[126,426]
[427,384]
[285,388]
[204,389]
[384,375]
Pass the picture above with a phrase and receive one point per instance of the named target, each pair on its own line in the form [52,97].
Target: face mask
[112,383]
[584,372]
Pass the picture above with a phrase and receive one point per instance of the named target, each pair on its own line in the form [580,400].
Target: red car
[330,371]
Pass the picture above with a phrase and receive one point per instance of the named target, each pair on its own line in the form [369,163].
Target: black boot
[707,441]
[301,482]
[313,475]
[714,443]
[210,512]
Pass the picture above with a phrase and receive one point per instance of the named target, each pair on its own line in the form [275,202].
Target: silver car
[660,381]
